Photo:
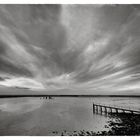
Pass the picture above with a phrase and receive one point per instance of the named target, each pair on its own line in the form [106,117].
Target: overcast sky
[75,47]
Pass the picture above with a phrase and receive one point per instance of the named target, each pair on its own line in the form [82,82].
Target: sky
[70,48]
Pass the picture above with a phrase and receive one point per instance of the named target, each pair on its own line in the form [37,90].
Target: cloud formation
[70,46]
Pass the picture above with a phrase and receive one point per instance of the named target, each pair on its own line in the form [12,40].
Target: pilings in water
[97,109]
[93,108]
[110,110]
[46,97]
[102,109]
[105,110]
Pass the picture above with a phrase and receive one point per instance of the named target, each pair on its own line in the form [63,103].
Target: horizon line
[60,95]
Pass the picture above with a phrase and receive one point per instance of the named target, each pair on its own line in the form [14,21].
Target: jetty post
[105,110]
[123,110]
[93,108]
[101,109]
[110,110]
[132,112]
[97,108]
[116,110]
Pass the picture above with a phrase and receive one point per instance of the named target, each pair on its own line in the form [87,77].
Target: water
[35,116]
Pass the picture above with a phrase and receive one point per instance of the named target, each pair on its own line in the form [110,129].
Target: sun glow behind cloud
[50,47]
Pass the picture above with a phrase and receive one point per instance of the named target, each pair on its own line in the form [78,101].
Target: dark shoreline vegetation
[121,124]
[125,124]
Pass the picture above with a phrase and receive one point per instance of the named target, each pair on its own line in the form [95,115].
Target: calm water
[35,116]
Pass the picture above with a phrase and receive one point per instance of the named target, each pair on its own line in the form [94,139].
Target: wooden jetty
[97,108]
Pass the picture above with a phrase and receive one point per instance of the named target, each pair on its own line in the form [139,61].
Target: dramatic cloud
[92,47]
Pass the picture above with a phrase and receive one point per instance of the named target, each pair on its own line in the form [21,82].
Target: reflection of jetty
[110,109]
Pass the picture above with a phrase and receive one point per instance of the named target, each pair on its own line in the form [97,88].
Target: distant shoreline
[18,96]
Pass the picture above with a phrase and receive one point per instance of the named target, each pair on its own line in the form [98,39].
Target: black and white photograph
[69,69]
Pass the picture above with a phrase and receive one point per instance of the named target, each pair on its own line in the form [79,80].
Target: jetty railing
[98,108]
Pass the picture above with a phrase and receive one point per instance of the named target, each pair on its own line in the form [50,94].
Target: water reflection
[20,106]
[34,116]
